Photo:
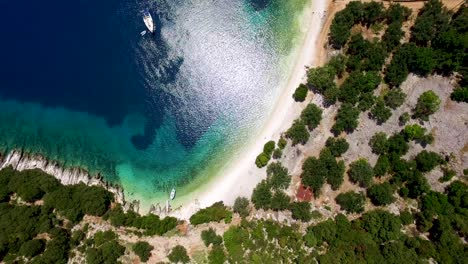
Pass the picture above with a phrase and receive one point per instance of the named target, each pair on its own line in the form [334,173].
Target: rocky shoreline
[21,160]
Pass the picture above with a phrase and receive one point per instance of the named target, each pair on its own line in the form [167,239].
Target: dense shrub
[216,255]
[351,202]
[32,248]
[262,160]
[361,172]
[261,195]
[326,168]
[278,176]
[214,213]
[338,63]
[397,145]
[298,133]
[311,116]
[460,94]
[382,166]
[379,143]
[428,104]
[380,113]
[404,118]
[346,119]
[301,211]
[178,255]
[381,194]
[241,206]
[394,98]
[321,78]
[143,250]
[279,201]
[427,160]
[300,93]
[337,146]
[210,237]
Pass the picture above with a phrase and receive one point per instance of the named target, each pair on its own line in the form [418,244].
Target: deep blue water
[80,85]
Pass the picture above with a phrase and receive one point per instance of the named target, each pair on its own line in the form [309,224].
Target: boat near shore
[148,19]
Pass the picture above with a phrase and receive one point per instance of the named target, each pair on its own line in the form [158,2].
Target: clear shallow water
[78,84]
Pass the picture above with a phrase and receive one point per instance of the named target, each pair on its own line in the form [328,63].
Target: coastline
[241,175]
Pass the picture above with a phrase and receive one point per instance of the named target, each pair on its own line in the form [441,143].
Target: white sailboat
[172,195]
[148,20]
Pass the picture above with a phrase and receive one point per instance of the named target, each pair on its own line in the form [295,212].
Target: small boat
[148,20]
[172,195]
[143,33]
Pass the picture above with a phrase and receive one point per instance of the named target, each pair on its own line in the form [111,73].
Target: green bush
[143,250]
[380,113]
[241,206]
[338,63]
[279,201]
[382,166]
[379,143]
[311,116]
[321,78]
[268,148]
[460,94]
[178,255]
[406,217]
[262,160]
[214,213]
[413,132]
[404,118]
[337,146]
[32,248]
[427,160]
[277,153]
[210,237]
[301,93]
[351,202]
[282,143]
[301,211]
[361,172]
[346,119]
[381,194]
[428,104]
[397,145]
[217,255]
[448,175]
[261,195]
[298,133]
[278,176]
[394,98]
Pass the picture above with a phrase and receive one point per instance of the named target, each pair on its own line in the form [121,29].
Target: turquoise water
[152,112]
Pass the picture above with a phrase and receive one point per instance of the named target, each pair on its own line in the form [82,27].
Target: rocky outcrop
[20,160]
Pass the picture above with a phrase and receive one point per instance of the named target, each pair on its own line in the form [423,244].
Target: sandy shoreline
[241,176]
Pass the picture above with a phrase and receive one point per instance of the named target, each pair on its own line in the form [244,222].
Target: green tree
[321,78]
[351,202]
[32,248]
[301,211]
[279,201]
[314,174]
[178,255]
[361,172]
[380,113]
[217,255]
[379,143]
[269,147]
[346,119]
[428,104]
[382,225]
[397,144]
[394,98]
[278,176]
[381,194]
[337,146]
[261,196]
[210,237]
[413,132]
[432,18]
[404,118]
[427,160]
[311,116]
[298,133]
[338,63]
[241,206]
[460,94]
[214,213]
[143,250]
[382,166]
[300,93]
[262,160]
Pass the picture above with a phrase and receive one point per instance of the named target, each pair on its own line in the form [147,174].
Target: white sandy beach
[242,175]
